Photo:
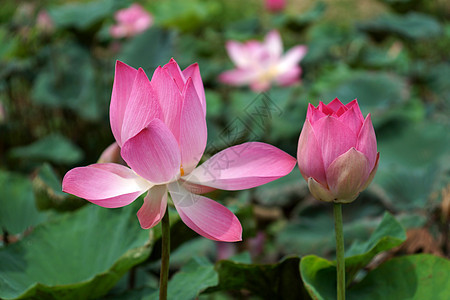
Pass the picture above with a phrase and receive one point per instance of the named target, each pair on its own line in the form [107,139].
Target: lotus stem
[339,251]
[165,256]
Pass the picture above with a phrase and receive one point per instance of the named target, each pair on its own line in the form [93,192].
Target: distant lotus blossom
[44,22]
[131,21]
[160,127]
[337,151]
[260,63]
[275,5]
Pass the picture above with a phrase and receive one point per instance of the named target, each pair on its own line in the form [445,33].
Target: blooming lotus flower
[131,21]
[259,64]
[160,127]
[275,6]
[337,151]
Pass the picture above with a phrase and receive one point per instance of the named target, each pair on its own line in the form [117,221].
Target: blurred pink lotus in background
[260,63]
[337,151]
[160,127]
[131,21]
[275,6]
[44,22]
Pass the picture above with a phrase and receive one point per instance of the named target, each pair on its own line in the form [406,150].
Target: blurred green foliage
[55,87]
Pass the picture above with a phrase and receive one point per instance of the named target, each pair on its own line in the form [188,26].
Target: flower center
[181,171]
[269,74]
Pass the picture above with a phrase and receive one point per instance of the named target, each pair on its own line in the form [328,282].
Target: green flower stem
[339,251]
[165,255]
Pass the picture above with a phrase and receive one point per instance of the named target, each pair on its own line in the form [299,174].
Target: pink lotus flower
[131,21]
[160,126]
[275,6]
[337,151]
[259,64]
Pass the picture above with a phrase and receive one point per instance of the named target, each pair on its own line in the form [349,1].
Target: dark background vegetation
[55,88]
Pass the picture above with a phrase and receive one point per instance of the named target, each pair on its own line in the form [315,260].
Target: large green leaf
[319,274]
[80,255]
[18,209]
[193,278]
[270,281]
[69,79]
[412,26]
[387,235]
[311,232]
[417,277]
[83,15]
[319,277]
[54,148]
[412,162]
[185,16]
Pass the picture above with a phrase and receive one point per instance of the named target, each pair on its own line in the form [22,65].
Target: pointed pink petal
[313,114]
[334,138]
[352,120]
[351,103]
[142,107]
[319,191]
[115,185]
[347,174]
[123,83]
[238,54]
[110,154]
[193,71]
[341,111]
[205,216]
[335,105]
[372,174]
[174,70]
[274,44]
[290,77]
[153,153]
[118,201]
[238,77]
[354,103]
[292,58]
[323,108]
[242,167]
[170,99]
[310,111]
[309,155]
[367,141]
[193,133]
[154,207]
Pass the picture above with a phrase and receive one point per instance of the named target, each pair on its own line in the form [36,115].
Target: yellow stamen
[181,171]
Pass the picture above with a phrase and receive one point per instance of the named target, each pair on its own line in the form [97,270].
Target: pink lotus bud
[131,21]
[337,151]
[275,6]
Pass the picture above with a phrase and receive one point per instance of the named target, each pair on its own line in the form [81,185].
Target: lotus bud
[337,151]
